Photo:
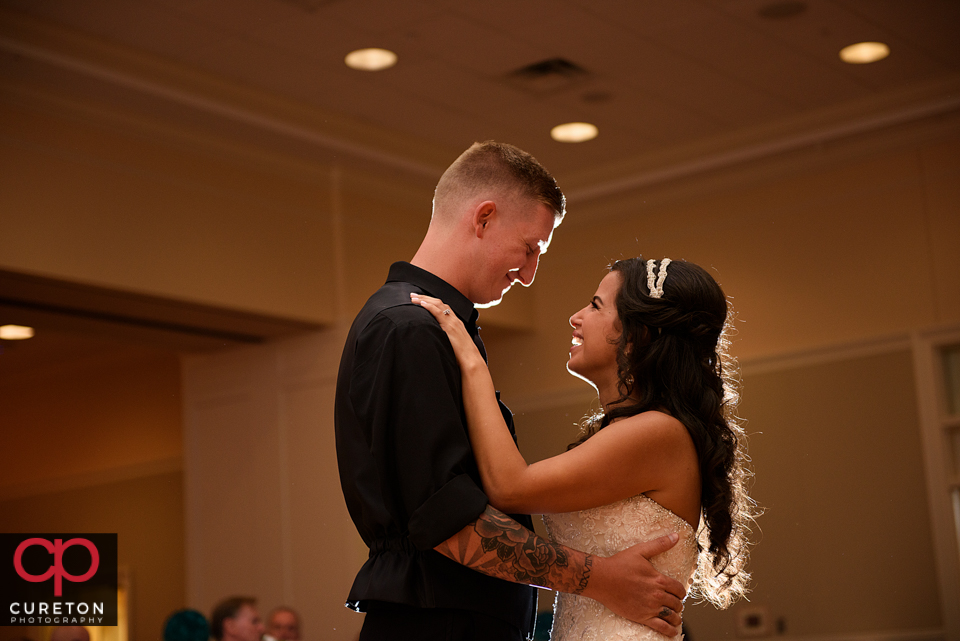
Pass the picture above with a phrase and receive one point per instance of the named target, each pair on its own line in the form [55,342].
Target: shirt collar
[436,287]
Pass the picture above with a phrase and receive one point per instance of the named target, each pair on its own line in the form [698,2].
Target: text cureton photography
[58,579]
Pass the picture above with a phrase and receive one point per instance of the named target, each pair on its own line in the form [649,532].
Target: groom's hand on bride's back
[630,586]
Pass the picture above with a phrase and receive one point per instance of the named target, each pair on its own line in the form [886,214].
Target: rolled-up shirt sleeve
[407,381]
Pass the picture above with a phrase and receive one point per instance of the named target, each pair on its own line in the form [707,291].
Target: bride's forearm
[501,465]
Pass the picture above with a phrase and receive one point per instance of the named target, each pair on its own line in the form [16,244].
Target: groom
[443,563]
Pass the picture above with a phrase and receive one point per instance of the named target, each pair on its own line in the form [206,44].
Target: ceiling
[659,75]
[695,83]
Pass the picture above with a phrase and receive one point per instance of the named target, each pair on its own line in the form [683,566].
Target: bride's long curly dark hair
[671,356]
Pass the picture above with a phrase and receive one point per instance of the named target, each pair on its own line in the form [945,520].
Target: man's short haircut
[283,608]
[495,165]
[227,609]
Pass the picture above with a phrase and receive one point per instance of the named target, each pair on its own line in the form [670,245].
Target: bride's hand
[463,345]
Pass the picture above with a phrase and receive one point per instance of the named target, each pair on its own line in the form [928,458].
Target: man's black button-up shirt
[406,466]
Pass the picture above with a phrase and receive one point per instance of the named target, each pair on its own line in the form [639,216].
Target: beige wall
[835,249]
[836,450]
[89,417]
[851,241]
[146,513]
[263,507]
[837,453]
[94,445]
[795,303]
[852,246]
[97,202]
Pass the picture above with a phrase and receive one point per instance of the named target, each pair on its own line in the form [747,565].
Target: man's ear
[483,214]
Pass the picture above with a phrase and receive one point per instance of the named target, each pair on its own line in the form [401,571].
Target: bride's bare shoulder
[651,420]
[648,427]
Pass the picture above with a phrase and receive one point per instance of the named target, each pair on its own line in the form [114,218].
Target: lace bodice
[605,531]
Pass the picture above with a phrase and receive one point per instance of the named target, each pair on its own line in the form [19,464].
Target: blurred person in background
[186,625]
[236,619]
[283,624]
[70,633]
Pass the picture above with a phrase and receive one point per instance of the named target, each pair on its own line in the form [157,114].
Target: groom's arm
[626,583]
[409,355]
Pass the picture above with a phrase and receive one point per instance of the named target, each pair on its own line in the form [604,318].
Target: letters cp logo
[56,548]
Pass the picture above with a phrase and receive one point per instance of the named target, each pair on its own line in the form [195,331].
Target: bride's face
[596,329]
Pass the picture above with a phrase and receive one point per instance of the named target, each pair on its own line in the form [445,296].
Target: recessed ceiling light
[574,132]
[864,52]
[15,332]
[372,59]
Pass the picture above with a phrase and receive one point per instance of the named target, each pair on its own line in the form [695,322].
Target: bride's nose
[573,323]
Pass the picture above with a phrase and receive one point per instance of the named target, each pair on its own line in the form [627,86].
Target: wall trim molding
[860,348]
[578,393]
[773,146]
[303,123]
[94,59]
[218,108]
[940,458]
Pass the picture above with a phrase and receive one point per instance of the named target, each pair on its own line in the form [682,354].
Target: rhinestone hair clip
[656,290]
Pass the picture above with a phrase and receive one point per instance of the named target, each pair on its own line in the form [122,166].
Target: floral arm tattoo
[498,546]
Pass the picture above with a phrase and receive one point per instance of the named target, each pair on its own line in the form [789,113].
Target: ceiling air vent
[548,76]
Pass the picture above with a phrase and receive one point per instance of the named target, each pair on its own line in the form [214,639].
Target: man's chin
[490,304]
[493,302]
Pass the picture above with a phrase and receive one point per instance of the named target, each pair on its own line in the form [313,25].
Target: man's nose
[528,272]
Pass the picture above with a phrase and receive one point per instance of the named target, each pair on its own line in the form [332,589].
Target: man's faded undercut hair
[493,167]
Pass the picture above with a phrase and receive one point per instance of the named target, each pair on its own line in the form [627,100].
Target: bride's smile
[596,331]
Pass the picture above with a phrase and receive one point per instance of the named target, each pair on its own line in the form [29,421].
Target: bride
[666,454]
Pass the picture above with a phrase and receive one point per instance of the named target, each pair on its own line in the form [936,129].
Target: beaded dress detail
[604,531]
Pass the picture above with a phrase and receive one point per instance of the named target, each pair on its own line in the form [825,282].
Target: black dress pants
[391,622]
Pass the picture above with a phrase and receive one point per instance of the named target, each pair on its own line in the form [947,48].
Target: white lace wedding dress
[605,531]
